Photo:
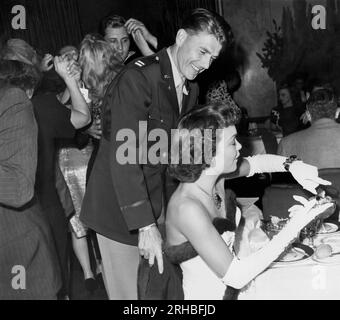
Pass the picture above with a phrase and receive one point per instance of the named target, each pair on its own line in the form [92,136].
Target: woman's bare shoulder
[184,213]
[185,209]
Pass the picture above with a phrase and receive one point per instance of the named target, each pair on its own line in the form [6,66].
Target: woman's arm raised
[305,174]
[80,115]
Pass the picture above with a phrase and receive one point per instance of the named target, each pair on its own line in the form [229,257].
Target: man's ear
[180,37]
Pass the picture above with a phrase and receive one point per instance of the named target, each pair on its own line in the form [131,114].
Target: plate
[328,227]
[297,253]
[331,260]
[333,240]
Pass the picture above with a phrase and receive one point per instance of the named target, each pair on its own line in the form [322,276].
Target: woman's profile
[199,236]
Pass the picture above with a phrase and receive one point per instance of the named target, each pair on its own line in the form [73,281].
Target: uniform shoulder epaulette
[145,61]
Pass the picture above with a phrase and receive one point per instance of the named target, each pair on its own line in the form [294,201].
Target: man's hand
[95,130]
[150,246]
[132,25]
[307,176]
[46,63]
[141,43]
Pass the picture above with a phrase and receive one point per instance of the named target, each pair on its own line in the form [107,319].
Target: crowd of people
[60,172]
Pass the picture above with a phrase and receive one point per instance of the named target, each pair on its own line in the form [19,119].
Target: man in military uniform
[123,201]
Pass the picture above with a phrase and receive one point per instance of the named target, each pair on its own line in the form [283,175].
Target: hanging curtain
[50,24]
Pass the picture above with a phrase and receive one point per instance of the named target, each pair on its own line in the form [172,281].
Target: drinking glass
[310,231]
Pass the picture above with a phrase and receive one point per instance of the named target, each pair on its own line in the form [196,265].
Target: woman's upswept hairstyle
[99,64]
[196,132]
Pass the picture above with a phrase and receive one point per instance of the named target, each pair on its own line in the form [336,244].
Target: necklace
[215,196]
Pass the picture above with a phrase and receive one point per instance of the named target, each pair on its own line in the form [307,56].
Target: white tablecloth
[307,280]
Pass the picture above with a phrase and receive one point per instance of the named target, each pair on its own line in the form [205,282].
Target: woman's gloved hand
[307,176]
[308,210]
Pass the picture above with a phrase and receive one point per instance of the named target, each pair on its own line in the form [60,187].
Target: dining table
[307,278]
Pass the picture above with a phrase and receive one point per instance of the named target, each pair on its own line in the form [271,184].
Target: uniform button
[157,58]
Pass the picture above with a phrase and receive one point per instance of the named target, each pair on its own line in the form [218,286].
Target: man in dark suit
[124,199]
[28,265]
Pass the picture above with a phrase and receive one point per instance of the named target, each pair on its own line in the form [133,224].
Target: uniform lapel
[167,84]
[188,99]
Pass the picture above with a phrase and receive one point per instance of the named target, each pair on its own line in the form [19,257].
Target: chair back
[269,142]
[278,198]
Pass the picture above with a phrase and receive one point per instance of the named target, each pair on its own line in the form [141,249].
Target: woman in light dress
[99,64]
[199,236]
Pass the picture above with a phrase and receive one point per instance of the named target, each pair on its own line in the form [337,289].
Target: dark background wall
[149,11]
[252,19]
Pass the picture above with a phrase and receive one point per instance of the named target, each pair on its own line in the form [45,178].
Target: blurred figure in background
[116,31]
[72,159]
[318,145]
[223,91]
[55,121]
[20,50]
[286,116]
[99,65]
[25,237]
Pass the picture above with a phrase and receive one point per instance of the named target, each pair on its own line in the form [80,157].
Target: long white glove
[241,272]
[305,174]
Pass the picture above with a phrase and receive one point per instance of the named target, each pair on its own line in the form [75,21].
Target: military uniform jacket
[123,197]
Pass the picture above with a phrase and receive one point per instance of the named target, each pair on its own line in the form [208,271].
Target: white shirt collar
[178,78]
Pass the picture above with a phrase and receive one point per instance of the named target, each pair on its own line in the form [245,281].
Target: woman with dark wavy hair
[199,235]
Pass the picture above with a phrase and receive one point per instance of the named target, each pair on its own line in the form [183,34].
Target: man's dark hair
[112,21]
[199,20]
[19,74]
[322,103]
[195,124]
